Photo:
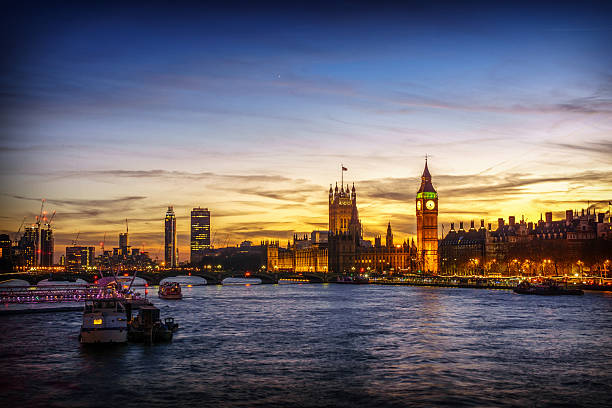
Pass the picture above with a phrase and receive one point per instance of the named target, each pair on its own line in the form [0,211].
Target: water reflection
[326,345]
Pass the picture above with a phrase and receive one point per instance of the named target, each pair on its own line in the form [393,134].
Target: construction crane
[50,220]
[21,226]
[37,256]
[40,216]
[212,242]
[102,255]
[76,239]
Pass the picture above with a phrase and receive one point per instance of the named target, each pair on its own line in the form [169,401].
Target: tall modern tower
[170,239]
[46,247]
[427,223]
[200,233]
[28,245]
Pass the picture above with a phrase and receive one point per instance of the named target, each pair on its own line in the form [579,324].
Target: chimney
[511,220]
[569,216]
[489,226]
[500,223]
[472,224]
[452,226]
[481,224]
[549,217]
[460,225]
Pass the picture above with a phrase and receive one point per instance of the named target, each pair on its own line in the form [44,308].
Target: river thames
[326,345]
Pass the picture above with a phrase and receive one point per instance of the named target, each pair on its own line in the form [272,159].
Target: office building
[170,238]
[200,233]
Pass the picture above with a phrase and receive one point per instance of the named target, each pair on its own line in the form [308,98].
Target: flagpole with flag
[342,175]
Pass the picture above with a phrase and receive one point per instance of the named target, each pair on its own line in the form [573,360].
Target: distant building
[544,247]
[79,257]
[46,247]
[6,253]
[6,246]
[200,233]
[463,252]
[28,246]
[170,239]
[319,237]
[124,244]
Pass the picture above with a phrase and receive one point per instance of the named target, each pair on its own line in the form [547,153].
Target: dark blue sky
[168,103]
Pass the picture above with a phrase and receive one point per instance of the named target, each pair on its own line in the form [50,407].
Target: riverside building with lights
[579,242]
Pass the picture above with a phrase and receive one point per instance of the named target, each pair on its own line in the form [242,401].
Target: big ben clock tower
[427,223]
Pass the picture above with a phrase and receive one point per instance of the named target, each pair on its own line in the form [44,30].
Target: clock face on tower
[430,204]
[418,205]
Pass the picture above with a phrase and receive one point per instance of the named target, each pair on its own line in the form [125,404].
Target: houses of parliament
[342,250]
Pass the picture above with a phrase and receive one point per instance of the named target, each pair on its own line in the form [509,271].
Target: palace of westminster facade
[549,247]
[342,250]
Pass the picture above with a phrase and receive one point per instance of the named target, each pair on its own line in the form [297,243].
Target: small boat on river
[355,280]
[147,327]
[170,290]
[295,280]
[104,321]
[548,288]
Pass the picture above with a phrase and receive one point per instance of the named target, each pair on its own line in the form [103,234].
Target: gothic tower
[343,214]
[427,223]
[389,238]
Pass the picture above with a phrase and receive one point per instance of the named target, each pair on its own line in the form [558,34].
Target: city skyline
[114,117]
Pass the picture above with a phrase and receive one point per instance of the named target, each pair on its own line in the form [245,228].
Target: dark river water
[326,345]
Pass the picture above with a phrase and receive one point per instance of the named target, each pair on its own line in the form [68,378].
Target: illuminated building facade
[349,254]
[343,214]
[170,239]
[427,223]
[301,255]
[124,246]
[200,233]
[463,252]
[28,246]
[6,246]
[79,257]
[549,247]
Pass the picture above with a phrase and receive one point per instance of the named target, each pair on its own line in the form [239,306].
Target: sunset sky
[117,112]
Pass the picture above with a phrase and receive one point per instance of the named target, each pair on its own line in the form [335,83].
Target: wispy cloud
[603,147]
[103,203]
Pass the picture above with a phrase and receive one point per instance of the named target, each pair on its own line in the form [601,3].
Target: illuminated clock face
[430,204]
[419,205]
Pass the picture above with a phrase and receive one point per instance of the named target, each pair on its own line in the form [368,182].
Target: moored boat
[104,321]
[356,280]
[147,327]
[548,288]
[293,281]
[170,290]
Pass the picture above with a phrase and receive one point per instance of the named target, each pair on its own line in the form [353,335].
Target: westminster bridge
[267,277]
